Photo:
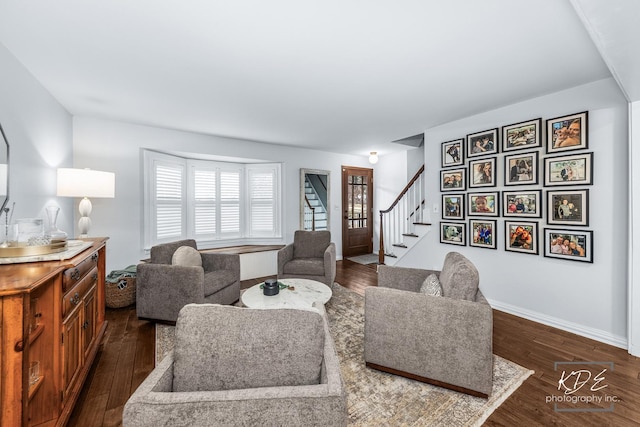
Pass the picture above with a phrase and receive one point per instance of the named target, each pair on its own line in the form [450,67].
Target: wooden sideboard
[52,319]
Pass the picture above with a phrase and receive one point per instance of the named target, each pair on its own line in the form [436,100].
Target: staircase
[401,225]
[315,215]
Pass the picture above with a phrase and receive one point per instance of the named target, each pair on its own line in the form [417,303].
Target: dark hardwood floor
[127,353]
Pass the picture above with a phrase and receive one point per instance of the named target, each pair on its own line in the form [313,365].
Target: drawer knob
[94,257]
[75,274]
[75,299]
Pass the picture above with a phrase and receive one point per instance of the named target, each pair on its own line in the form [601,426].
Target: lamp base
[85,222]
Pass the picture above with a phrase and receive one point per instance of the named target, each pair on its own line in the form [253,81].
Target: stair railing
[400,218]
[309,215]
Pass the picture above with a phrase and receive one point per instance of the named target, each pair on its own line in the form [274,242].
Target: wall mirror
[314,199]
[4,170]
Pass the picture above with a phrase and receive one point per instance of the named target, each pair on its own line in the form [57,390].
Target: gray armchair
[163,289]
[312,255]
[264,367]
[444,340]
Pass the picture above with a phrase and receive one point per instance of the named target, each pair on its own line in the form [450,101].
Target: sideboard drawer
[74,296]
[75,274]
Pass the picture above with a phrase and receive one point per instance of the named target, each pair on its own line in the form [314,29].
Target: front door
[357,209]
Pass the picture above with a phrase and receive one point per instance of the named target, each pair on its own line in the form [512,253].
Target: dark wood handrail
[313,214]
[404,190]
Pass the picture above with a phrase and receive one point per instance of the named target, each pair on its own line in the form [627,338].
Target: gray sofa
[264,367]
[312,255]
[444,340]
[163,289]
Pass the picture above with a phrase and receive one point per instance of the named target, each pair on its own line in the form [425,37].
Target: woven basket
[120,294]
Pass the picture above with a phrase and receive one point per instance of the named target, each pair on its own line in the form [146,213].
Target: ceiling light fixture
[373,157]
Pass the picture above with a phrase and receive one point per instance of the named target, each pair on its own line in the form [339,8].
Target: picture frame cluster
[536,187]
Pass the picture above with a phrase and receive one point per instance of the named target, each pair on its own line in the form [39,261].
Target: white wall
[39,133]
[116,147]
[389,177]
[589,299]
[634,258]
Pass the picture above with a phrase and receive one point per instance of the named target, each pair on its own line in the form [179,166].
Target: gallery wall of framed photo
[544,173]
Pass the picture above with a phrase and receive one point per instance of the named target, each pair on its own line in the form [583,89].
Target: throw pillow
[431,286]
[187,256]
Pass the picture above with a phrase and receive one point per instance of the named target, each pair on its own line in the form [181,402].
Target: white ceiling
[340,75]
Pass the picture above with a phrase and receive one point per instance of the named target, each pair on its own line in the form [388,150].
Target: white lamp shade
[85,183]
[373,157]
[3,179]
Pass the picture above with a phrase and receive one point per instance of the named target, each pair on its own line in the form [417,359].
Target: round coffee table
[304,294]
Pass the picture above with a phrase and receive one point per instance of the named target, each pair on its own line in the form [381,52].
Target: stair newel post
[381,248]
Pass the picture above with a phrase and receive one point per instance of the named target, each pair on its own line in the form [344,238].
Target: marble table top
[306,292]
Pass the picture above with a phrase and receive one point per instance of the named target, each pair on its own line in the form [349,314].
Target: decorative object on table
[7,221]
[483,204]
[482,172]
[568,207]
[482,143]
[568,132]
[453,153]
[30,232]
[523,135]
[521,237]
[572,245]
[120,287]
[569,170]
[85,183]
[524,203]
[453,206]
[271,287]
[453,179]
[482,233]
[453,233]
[53,232]
[521,168]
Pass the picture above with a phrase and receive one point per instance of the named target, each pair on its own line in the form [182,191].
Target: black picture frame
[578,248]
[452,153]
[521,236]
[575,169]
[482,143]
[483,233]
[453,233]
[522,203]
[568,207]
[521,168]
[482,172]
[453,206]
[567,133]
[483,204]
[453,179]
[523,135]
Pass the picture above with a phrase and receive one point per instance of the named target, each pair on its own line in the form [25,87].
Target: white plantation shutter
[230,202]
[214,201]
[168,200]
[262,200]
[204,200]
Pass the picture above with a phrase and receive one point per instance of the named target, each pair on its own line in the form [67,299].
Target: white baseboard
[585,331]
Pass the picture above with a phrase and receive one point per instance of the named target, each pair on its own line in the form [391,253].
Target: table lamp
[85,183]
